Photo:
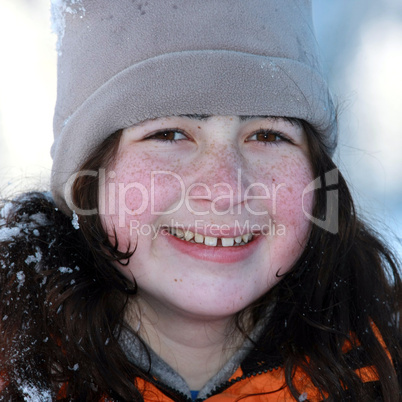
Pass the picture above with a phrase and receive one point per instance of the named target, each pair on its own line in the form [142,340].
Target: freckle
[175,280]
[181,280]
[199,127]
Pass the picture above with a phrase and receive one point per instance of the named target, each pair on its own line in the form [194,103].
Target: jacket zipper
[229,383]
[218,389]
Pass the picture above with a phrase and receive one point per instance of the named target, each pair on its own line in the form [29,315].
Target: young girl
[199,242]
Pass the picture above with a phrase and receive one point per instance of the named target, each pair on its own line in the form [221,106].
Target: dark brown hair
[65,300]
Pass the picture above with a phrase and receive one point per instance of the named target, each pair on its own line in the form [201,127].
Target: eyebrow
[203,117]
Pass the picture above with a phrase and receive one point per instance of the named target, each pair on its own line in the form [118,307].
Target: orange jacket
[263,381]
[255,379]
[267,379]
[251,384]
[259,383]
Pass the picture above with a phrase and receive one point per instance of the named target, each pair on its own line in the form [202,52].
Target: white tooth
[179,233]
[173,231]
[238,239]
[210,241]
[227,241]
[250,236]
[199,238]
[188,235]
[246,238]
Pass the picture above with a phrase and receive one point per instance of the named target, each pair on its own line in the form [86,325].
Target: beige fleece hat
[122,62]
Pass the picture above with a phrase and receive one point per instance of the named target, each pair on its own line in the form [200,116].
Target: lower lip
[215,254]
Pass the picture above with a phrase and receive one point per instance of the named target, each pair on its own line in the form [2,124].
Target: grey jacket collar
[146,359]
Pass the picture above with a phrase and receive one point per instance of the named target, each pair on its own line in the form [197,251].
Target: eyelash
[279,137]
[164,132]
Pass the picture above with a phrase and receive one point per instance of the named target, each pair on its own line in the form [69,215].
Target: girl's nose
[219,186]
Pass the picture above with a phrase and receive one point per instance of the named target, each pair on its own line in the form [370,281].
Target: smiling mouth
[211,241]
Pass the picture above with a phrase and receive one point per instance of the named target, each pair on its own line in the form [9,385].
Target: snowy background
[361,44]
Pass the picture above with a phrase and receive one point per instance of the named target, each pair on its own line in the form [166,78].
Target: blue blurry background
[361,46]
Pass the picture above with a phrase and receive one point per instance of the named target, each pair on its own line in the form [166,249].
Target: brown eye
[267,136]
[167,135]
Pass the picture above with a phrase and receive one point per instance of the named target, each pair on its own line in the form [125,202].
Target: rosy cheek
[167,189]
[139,188]
[288,178]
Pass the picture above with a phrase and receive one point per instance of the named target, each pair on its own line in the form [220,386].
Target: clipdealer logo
[328,182]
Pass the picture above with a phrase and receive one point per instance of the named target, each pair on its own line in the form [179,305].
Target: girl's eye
[171,135]
[267,136]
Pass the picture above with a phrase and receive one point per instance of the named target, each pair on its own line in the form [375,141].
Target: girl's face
[214,207]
